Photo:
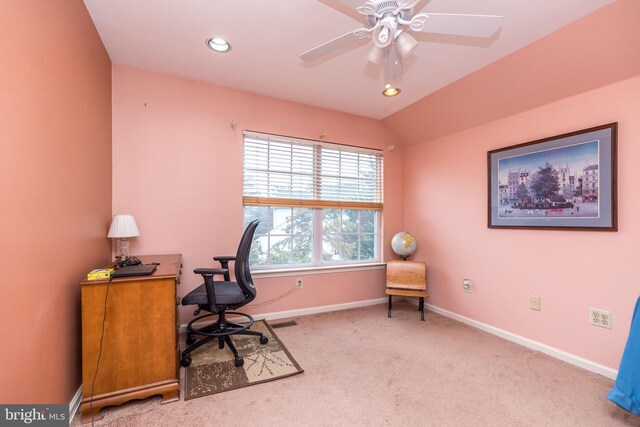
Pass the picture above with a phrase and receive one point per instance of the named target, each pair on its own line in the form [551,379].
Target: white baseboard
[509,336]
[534,345]
[310,310]
[75,404]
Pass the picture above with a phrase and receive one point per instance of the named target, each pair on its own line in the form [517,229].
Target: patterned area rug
[212,369]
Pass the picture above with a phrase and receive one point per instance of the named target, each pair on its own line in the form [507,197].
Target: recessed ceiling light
[219,44]
[390,90]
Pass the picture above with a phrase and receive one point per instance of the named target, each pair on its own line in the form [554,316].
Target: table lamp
[122,227]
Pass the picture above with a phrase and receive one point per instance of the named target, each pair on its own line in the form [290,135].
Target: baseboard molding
[311,310]
[534,345]
[75,404]
[320,309]
[509,336]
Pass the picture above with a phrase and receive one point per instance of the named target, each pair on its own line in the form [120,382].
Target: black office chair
[218,297]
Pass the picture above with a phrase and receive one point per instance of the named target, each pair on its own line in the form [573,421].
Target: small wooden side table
[407,279]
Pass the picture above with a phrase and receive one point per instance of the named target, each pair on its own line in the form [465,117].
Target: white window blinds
[283,171]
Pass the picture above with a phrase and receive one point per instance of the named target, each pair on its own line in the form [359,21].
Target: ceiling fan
[388,23]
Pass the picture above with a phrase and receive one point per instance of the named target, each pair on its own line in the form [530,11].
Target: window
[318,203]
[349,235]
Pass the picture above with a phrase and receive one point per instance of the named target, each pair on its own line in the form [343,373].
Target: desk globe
[403,244]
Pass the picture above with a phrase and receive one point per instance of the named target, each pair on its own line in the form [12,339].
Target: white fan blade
[458,24]
[367,9]
[407,4]
[353,4]
[337,43]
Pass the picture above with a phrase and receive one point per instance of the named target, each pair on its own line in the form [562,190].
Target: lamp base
[123,249]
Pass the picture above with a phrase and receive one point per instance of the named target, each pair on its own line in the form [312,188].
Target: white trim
[311,310]
[526,342]
[75,404]
[509,336]
[264,274]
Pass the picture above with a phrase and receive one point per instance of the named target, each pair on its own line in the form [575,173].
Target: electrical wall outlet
[298,282]
[599,317]
[467,285]
[534,302]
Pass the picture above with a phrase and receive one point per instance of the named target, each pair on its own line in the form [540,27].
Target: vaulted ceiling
[267,36]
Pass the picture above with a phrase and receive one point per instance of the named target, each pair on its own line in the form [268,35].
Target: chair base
[221,330]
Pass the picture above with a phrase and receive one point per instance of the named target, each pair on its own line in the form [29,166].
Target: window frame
[373,188]
[317,248]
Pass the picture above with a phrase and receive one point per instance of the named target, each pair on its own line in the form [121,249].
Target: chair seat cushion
[227,293]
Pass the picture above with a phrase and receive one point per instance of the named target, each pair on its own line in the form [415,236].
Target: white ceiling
[169,36]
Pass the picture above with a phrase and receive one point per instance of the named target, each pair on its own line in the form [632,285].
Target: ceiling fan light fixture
[375,54]
[392,66]
[405,44]
[219,44]
[383,34]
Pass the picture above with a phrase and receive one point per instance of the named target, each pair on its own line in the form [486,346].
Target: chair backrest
[241,264]
[406,275]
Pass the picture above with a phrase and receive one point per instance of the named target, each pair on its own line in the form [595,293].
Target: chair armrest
[209,284]
[211,271]
[224,262]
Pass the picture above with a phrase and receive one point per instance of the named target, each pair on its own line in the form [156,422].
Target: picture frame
[564,182]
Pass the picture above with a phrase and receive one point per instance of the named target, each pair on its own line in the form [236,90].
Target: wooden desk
[140,354]
[407,279]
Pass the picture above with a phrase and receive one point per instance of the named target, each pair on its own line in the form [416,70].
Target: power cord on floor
[95,375]
[278,298]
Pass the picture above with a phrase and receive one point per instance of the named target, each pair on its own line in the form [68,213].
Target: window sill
[263,274]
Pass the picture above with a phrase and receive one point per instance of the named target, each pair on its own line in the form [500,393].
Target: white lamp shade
[375,54]
[122,226]
[405,44]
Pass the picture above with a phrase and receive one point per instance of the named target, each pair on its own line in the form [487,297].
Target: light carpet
[364,369]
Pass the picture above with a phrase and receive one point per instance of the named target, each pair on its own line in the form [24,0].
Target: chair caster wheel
[264,340]
[186,361]
[239,361]
[191,338]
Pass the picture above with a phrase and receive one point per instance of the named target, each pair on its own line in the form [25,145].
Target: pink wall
[596,50]
[55,187]
[178,170]
[445,207]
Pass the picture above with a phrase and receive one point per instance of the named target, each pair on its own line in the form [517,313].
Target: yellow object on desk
[100,274]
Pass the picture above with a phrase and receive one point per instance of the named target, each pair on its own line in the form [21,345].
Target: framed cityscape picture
[563,182]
